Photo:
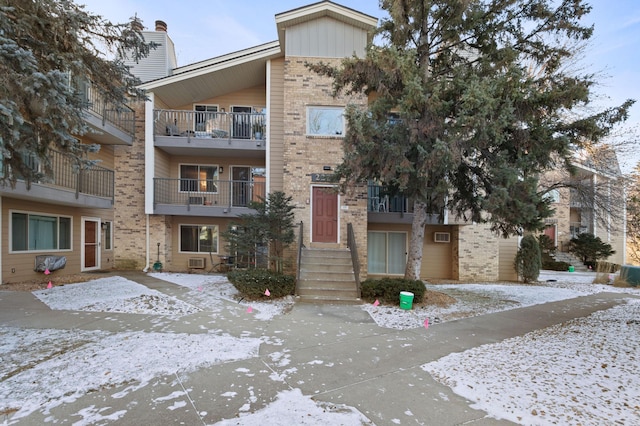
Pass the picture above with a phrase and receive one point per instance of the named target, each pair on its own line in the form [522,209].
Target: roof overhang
[215,77]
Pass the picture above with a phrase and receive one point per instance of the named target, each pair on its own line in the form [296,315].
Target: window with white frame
[325,121]
[553,196]
[38,232]
[198,178]
[199,238]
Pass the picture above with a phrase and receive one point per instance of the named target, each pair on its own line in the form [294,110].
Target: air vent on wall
[442,237]
[196,262]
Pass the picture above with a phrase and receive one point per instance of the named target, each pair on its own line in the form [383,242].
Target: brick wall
[306,155]
[477,253]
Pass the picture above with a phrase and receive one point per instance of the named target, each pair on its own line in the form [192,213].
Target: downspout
[149,170]
[146,268]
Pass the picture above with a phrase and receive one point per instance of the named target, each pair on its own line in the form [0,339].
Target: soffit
[214,77]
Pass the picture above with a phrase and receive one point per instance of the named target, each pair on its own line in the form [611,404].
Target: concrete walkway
[335,353]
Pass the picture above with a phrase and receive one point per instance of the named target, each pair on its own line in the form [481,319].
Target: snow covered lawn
[583,372]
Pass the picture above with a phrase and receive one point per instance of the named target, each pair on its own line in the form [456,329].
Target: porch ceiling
[215,77]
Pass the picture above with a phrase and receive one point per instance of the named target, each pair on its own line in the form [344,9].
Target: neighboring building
[71,215]
[222,132]
[598,208]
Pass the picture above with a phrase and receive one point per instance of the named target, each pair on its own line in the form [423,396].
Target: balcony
[109,124]
[70,184]
[385,208]
[210,133]
[193,197]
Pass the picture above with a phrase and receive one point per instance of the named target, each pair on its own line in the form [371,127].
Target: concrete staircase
[326,276]
[571,260]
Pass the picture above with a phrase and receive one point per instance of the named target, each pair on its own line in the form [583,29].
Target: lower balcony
[192,197]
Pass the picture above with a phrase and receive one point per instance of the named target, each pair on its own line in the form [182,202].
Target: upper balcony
[109,124]
[182,132]
[70,184]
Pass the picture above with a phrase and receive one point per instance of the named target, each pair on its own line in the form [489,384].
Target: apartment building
[217,134]
[224,131]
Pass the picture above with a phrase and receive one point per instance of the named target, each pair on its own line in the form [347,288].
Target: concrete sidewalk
[335,353]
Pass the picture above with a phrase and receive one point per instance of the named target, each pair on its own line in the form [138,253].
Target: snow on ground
[579,373]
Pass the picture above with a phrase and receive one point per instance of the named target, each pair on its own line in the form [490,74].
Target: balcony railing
[381,202]
[69,173]
[120,116]
[200,124]
[207,192]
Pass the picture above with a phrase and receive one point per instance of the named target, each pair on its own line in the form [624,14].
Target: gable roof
[247,67]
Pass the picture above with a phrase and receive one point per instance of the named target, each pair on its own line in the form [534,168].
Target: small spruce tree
[590,248]
[528,259]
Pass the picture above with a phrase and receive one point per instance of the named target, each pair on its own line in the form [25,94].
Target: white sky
[582,372]
[202,29]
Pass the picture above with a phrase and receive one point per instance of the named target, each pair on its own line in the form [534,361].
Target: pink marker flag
[376,303]
[200,288]
[426,323]
[267,292]
[47,272]
[49,285]
[249,309]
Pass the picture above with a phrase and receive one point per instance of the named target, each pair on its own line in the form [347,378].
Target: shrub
[528,261]
[252,283]
[590,249]
[387,290]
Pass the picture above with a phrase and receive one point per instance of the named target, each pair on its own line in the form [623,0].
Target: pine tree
[477,125]
[45,47]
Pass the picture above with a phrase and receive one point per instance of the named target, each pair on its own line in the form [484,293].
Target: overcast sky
[202,29]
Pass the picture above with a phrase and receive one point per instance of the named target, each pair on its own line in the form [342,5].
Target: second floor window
[198,178]
[325,121]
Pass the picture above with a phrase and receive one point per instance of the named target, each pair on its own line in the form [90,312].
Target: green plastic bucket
[571,268]
[406,300]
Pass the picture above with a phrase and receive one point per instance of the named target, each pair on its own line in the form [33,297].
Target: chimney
[161,26]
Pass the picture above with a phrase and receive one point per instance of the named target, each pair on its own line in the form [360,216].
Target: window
[386,252]
[199,238]
[106,241]
[553,196]
[31,232]
[325,121]
[196,178]
[205,117]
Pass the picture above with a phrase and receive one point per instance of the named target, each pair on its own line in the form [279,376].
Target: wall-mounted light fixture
[220,169]
[104,226]
[326,168]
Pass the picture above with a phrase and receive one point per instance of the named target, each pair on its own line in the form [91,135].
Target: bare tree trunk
[416,242]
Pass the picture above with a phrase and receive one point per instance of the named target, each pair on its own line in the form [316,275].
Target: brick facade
[477,253]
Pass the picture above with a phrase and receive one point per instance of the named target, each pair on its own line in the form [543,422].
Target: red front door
[325,216]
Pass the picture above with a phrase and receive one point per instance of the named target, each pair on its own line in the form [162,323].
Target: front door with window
[324,219]
[90,244]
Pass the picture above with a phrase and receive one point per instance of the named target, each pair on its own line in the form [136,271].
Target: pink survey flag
[47,272]
[267,292]
[376,303]
[199,288]
[49,285]
[249,309]
[426,323]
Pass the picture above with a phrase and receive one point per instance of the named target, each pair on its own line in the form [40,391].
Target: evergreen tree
[528,259]
[270,227]
[590,248]
[45,46]
[476,125]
